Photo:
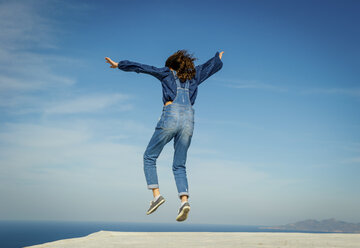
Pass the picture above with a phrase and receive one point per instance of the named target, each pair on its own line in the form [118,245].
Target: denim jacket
[166,78]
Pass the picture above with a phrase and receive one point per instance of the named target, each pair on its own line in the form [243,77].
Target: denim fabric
[176,121]
[164,74]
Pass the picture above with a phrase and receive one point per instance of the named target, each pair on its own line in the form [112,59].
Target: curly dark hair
[182,63]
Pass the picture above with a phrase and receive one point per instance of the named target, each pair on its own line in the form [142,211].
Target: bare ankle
[156,192]
[184,198]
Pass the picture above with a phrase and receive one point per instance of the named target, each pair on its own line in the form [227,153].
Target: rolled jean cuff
[153,186]
[183,193]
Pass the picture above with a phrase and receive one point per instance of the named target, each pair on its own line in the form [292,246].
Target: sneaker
[183,212]
[155,204]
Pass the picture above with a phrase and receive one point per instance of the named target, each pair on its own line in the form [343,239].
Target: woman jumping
[180,80]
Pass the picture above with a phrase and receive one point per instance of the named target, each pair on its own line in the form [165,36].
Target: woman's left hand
[112,63]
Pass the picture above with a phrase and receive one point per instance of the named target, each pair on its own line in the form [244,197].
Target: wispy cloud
[30,81]
[62,160]
[227,123]
[52,149]
[22,26]
[353,160]
[89,104]
[25,28]
[250,84]
[32,135]
[254,84]
[334,91]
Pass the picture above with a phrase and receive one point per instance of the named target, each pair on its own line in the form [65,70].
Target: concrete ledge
[108,239]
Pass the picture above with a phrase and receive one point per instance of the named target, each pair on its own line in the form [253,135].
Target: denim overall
[176,121]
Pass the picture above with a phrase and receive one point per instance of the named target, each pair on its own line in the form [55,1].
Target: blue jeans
[177,121]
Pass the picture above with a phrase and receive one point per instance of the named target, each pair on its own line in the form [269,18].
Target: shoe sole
[156,206]
[183,214]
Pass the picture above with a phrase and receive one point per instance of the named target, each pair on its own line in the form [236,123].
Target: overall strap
[178,81]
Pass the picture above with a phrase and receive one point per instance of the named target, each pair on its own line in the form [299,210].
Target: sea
[16,234]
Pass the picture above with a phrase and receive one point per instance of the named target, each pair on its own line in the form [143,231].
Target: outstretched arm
[127,65]
[210,67]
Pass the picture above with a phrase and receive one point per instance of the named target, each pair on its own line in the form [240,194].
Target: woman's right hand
[220,54]
[112,63]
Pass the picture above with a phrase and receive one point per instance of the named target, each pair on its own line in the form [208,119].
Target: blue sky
[276,136]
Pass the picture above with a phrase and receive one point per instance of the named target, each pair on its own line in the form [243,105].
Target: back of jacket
[166,77]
